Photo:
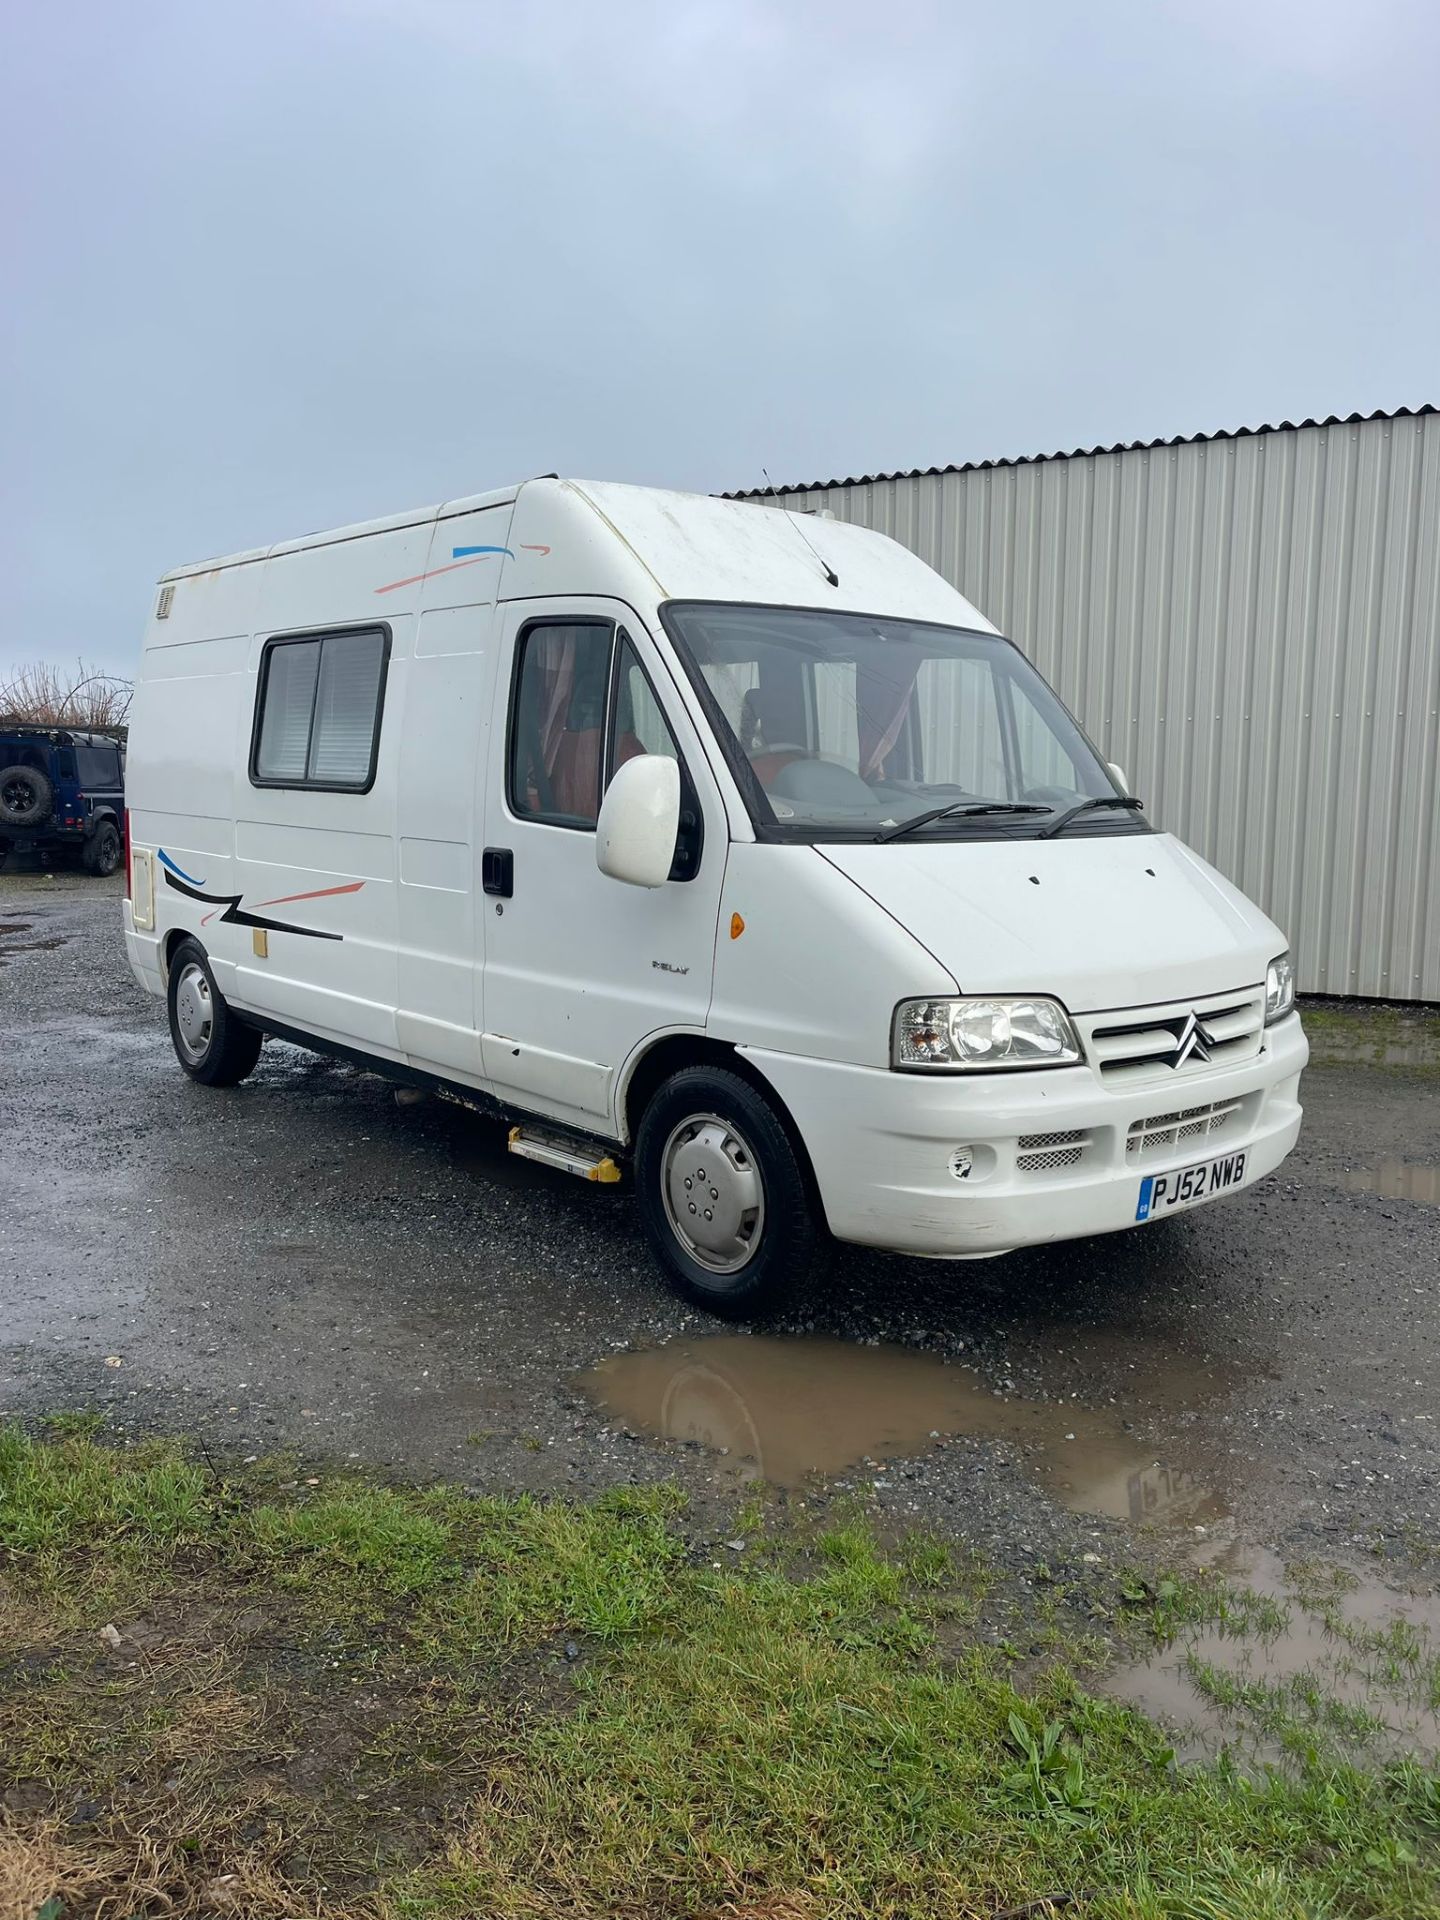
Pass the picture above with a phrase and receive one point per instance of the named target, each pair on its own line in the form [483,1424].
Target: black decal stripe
[236,915]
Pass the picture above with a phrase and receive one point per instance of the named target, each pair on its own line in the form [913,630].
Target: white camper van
[717,847]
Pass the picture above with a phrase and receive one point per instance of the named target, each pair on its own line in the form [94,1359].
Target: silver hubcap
[714,1197]
[194,1011]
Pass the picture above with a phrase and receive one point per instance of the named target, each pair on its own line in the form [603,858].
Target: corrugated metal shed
[1249,624]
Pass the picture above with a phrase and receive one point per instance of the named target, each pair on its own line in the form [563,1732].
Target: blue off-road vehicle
[62,795]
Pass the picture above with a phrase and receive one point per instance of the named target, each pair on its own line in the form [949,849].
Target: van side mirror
[639,821]
[1117,774]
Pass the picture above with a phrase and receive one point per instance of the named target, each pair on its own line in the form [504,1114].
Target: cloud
[281,266]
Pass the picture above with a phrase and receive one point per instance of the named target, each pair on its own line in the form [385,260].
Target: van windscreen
[846,726]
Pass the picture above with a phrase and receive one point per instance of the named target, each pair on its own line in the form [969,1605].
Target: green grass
[1175,1602]
[351,1699]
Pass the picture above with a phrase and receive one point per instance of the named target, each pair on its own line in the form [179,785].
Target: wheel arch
[172,941]
[672,1053]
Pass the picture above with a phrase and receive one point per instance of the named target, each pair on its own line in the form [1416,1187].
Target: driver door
[580,969]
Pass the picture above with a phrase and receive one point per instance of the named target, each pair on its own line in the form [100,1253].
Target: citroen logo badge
[1193,1042]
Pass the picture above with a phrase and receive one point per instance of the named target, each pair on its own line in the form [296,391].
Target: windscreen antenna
[794,519]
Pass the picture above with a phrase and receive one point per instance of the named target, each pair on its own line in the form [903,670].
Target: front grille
[1045,1152]
[1167,1132]
[1146,1043]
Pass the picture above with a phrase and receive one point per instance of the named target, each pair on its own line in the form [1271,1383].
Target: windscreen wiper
[964,809]
[1125,800]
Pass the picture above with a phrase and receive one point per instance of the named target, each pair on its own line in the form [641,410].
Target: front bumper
[884,1145]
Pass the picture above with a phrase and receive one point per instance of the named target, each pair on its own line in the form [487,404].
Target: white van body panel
[358,919]
[816,970]
[294,842]
[450,680]
[1145,919]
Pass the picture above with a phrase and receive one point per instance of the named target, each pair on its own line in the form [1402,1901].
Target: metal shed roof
[1081,453]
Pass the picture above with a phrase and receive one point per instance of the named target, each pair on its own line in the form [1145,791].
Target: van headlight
[983,1034]
[1279,989]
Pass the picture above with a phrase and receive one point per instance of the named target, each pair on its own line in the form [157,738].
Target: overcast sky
[272,267]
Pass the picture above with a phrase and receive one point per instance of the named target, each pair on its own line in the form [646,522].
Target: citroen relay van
[720,849]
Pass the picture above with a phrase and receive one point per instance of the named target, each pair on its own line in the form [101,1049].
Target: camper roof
[331,536]
[570,537]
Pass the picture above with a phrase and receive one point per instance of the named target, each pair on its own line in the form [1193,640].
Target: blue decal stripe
[166,861]
[463,553]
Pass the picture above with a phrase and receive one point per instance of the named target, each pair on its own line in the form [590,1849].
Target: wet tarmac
[12,941]
[1384,1053]
[307,1263]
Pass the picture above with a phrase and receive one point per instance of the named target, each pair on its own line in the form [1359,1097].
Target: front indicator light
[1279,989]
[983,1034]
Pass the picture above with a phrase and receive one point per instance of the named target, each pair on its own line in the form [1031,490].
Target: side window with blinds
[317,716]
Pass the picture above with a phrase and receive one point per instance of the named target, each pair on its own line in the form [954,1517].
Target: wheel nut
[714,1193]
[692,1206]
[708,1214]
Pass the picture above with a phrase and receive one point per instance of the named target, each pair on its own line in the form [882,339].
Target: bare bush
[43,694]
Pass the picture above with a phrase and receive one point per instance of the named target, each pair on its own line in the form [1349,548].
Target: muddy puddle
[1307,1660]
[782,1409]
[1418,1181]
[1300,1660]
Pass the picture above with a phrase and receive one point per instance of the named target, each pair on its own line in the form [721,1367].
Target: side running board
[570,1156]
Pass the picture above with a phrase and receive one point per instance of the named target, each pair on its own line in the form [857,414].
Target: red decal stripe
[320,893]
[450,567]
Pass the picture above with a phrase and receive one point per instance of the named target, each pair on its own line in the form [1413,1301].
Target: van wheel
[210,1043]
[722,1197]
[101,852]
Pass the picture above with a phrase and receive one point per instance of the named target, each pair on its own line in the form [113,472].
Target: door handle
[497,871]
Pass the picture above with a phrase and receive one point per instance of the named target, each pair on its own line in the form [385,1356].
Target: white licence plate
[1188,1186]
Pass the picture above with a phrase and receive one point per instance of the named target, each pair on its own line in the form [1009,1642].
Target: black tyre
[723,1197]
[26,797]
[211,1044]
[101,853]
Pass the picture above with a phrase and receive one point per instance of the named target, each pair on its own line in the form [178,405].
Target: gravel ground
[306,1262]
